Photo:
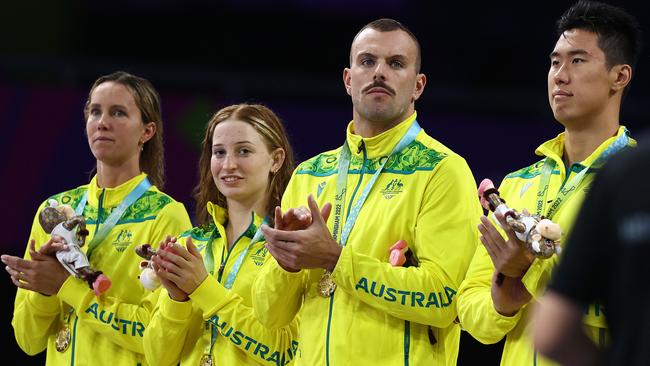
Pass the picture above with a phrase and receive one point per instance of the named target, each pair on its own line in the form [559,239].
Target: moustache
[379,84]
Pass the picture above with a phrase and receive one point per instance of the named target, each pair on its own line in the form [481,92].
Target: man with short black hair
[590,67]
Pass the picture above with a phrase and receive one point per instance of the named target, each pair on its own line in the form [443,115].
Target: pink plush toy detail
[540,235]
[401,255]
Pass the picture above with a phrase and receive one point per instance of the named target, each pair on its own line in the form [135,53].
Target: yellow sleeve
[172,220]
[475,307]
[129,321]
[277,295]
[166,334]
[539,275]
[444,243]
[225,309]
[35,314]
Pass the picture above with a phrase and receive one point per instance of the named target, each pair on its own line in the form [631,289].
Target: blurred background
[486,94]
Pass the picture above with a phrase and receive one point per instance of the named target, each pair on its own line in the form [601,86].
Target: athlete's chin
[380,113]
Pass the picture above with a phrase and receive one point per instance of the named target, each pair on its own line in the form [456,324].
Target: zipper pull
[221,267]
[361,147]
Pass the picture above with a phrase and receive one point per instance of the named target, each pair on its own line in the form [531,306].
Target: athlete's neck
[112,175]
[585,133]
[367,128]
[579,143]
[239,217]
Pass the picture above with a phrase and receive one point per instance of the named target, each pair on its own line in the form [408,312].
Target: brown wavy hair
[269,126]
[152,158]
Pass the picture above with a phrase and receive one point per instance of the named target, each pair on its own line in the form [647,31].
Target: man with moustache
[390,181]
[590,67]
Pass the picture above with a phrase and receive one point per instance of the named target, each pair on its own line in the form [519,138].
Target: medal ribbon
[566,191]
[112,219]
[232,275]
[341,183]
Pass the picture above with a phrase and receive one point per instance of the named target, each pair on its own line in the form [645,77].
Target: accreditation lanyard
[117,213]
[232,275]
[341,184]
[566,191]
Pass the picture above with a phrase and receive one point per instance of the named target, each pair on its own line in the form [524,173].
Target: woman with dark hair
[205,316]
[122,207]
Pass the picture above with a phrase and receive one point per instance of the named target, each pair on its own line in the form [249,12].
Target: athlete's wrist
[333,258]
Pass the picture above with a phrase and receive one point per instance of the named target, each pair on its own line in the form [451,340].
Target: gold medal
[206,360]
[63,338]
[326,285]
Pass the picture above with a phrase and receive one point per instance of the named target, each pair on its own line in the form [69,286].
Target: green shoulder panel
[202,233]
[320,165]
[528,172]
[532,171]
[416,156]
[71,197]
[144,209]
[146,206]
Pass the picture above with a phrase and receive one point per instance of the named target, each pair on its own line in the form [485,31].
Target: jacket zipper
[362,148]
[222,265]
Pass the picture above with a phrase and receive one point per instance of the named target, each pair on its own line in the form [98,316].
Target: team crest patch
[259,256]
[392,189]
[123,240]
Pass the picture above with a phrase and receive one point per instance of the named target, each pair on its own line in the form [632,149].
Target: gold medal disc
[206,360]
[326,285]
[63,339]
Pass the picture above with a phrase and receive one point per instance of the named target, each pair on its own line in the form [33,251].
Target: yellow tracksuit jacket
[382,315]
[178,331]
[519,189]
[106,330]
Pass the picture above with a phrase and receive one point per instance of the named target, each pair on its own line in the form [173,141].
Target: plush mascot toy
[60,220]
[148,277]
[540,235]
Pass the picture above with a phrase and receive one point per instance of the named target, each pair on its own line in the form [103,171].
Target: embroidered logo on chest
[259,256]
[123,240]
[393,188]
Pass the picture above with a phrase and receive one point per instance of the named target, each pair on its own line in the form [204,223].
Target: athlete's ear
[620,75]
[420,82]
[347,80]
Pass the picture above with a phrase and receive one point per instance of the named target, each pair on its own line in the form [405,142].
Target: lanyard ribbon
[209,257]
[341,183]
[117,213]
[566,191]
[230,280]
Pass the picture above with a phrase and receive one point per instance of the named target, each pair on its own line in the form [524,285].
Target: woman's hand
[183,267]
[42,273]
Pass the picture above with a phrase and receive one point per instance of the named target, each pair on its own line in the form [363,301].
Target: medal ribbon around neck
[327,286]
[566,191]
[341,183]
[209,257]
[208,260]
[114,217]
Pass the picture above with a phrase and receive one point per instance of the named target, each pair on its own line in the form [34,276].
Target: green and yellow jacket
[183,331]
[519,189]
[381,314]
[106,330]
